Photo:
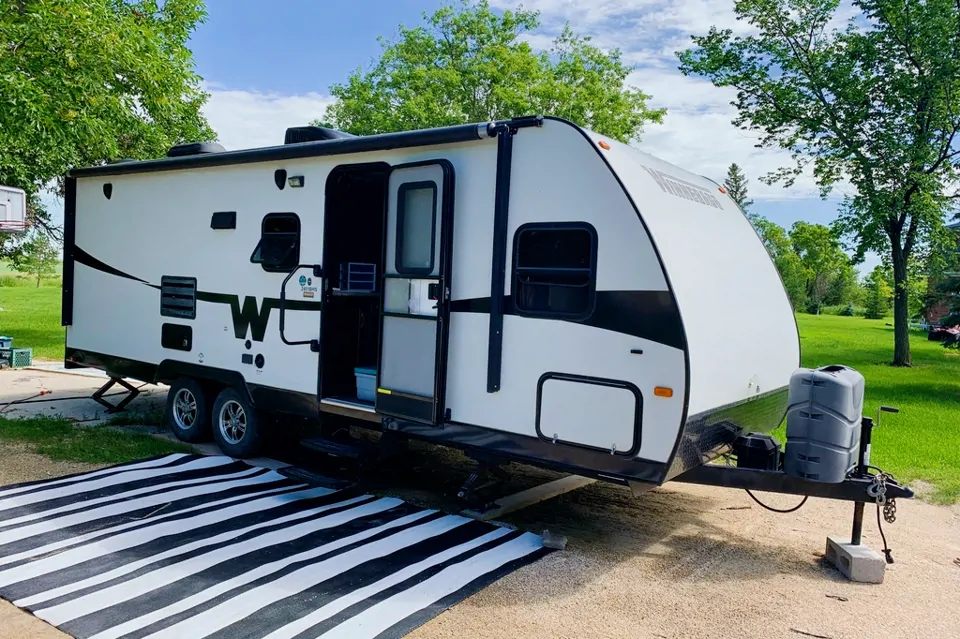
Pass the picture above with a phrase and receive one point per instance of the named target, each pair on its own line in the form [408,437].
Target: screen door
[416,292]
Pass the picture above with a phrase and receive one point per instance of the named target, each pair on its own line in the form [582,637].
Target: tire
[236,425]
[188,410]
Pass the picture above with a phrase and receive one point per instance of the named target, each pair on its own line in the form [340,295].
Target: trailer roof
[342,146]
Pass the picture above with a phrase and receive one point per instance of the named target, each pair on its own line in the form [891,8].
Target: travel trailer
[524,290]
[13,210]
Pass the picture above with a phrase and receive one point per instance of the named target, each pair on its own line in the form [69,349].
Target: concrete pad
[68,394]
[856,562]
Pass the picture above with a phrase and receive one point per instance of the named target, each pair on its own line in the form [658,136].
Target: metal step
[301,474]
[351,449]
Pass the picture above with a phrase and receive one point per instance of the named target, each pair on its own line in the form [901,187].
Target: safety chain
[878,491]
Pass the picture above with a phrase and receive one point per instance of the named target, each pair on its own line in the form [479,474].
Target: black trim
[280,178]
[250,318]
[108,190]
[592,284]
[397,404]
[343,146]
[401,215]
[69,250]
[82,257]
[649,315]
[596,381]
[535,452]
[498,273]
[284,401]
[223,220]
[178,337]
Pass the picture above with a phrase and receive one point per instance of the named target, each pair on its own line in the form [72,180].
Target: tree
[822,259]
[879,293]
[470,64]
[736,185]
[786,260]
[37,256]
[874,104]
[84,82]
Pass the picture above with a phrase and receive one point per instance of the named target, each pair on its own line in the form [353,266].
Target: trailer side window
[416,227]
[279,246]
[554,270]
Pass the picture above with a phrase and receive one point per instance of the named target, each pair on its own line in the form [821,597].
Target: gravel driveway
[681,561]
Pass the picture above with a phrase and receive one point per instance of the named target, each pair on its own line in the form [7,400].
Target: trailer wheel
[236,426]
[188,413]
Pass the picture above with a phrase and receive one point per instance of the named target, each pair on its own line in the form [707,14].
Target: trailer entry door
[416,292]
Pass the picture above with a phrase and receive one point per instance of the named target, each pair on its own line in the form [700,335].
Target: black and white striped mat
[186,546]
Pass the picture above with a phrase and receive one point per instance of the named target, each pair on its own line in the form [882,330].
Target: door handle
[636,351]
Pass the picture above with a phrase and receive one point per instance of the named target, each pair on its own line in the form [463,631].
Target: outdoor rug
[193,546]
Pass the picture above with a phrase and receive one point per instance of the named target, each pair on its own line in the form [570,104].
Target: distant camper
[525,289]
[13,210]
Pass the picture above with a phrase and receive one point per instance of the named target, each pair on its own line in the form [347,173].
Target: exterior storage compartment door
[416,292]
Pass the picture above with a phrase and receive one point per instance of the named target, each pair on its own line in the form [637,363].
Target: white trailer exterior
[544,294]
[13,210]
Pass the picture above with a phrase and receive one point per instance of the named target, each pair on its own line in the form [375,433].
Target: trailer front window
[279,246]
[554,269]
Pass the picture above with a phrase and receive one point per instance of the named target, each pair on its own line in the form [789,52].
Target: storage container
[823,423]
[21,357]
[6,343]
[366,383]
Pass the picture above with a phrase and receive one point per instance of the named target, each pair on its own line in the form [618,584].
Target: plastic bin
[6,343]
[366,383]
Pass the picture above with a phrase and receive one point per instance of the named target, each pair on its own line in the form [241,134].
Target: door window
[416,227]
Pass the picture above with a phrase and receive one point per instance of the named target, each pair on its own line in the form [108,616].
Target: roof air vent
[194,148]
[298,134]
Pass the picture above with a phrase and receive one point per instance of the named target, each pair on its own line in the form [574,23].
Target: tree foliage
[875,104]
[823,261]
[736,185]
[38,256]
[470,64]
[84,82]
[788,263]
[879,294]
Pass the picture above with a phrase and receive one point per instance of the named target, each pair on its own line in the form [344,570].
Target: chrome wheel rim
[185,411]
[233,422]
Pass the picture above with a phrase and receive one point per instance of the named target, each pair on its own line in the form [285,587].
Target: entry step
[352,449]
[314,479]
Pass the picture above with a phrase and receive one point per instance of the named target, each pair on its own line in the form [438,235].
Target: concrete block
[856,563]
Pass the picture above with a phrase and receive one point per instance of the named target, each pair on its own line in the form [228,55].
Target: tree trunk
[38,280]
[901,319]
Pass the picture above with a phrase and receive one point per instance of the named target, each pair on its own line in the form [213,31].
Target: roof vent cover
[298,134]
[194,148]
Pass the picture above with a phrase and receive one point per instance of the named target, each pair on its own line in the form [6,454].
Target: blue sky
[269,65]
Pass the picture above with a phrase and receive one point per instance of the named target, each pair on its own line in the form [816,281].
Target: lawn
[60,439]
[923,440]
[31,316]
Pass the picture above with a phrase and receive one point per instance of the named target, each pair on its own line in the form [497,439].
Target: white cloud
[248,119]
[697,132]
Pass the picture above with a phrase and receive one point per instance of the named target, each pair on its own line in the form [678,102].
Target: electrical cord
[777,510]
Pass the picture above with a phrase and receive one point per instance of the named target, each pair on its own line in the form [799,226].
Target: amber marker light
[663,391]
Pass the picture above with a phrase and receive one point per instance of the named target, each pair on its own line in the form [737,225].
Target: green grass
[31,316]
[60,439]
[923,440]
